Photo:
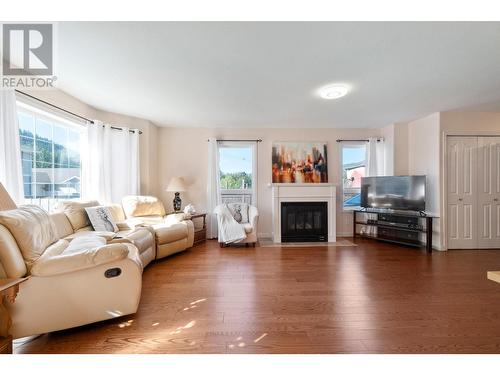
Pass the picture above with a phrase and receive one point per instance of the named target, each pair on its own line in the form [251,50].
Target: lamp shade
[176,184]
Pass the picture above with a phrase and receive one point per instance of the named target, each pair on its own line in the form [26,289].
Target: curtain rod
[236,140]
[356,140]
[69,112]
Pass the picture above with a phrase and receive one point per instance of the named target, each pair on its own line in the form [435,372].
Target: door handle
[460,199]
[495,199]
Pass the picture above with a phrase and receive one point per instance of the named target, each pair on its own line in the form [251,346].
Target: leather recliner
[79,288]
[173,233]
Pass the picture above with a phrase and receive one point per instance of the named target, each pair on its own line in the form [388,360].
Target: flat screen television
[393,192]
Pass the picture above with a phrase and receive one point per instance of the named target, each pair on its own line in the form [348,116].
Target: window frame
[349,144]
[253,147]
[38,114]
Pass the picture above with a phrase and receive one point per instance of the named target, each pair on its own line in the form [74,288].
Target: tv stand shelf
[395,227]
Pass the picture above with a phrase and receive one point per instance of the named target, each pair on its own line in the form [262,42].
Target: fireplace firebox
[304,222]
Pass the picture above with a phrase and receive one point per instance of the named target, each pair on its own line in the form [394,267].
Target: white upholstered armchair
[237,223]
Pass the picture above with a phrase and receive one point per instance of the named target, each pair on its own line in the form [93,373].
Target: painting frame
[299,162]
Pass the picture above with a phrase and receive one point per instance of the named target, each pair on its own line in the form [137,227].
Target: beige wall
[424,151]
[148,140]
[184,152]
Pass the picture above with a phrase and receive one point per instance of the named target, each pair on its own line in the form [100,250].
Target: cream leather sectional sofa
[69,287]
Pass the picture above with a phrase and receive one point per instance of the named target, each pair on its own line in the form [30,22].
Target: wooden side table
[8,292]
[200,234]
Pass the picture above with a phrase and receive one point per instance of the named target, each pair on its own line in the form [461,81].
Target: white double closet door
[473,192]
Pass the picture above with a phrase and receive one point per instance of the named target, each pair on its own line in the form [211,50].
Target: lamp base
[177,202]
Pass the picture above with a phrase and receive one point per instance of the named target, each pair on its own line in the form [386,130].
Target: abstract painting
[299,162]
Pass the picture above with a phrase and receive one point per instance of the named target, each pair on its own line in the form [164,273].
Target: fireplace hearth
[304,222]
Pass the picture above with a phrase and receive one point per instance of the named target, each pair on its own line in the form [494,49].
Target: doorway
[473,192]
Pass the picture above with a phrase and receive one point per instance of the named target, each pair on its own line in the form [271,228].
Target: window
[50,154]
[237,176]
[353,169]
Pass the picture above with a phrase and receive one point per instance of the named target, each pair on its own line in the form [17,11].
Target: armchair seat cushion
[170,233]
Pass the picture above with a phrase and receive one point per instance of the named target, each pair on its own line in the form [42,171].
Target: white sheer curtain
[375,155]
[111,164]
[10,149]
[213,188]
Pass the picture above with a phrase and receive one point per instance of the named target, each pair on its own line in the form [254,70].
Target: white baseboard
[344,234]
[265,236]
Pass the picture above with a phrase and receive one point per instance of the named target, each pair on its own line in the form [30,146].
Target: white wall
[387,133]
[424,152]
[148,140]
[184,151]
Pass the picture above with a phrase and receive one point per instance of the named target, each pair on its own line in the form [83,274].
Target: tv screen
[393,192]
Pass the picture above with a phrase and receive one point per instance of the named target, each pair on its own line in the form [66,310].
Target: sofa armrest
[253,217]
[60,264]
[130,224]
[174,218]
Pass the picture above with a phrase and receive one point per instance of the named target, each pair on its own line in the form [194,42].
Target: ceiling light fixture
[333,91]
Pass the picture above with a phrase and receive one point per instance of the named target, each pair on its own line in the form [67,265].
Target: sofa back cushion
[75,212]
[117,212]
[32,229]
[11,259]
[62,224]
[136,205]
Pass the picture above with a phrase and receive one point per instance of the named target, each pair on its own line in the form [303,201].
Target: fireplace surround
[304,193]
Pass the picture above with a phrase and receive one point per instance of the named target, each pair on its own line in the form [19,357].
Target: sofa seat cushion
[170,233]
[247,227]
[76,261]
[106,235]
[141,238]
[148,220]
[32,229]
[75,212]
[135,205]
[81,243]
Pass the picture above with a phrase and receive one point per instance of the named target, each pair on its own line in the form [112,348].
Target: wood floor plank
[372,298]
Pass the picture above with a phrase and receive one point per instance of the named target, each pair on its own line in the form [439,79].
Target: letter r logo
[27,49]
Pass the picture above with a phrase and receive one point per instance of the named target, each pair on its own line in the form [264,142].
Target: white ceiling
[265,74]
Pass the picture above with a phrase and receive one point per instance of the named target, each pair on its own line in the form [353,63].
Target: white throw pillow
[101,219]
[239,211]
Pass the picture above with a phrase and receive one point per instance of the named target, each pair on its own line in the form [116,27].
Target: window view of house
[235,165]
[353,169]
[50,154]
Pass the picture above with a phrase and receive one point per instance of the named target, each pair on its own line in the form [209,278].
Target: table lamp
[177,185]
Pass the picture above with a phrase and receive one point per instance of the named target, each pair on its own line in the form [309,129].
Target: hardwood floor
[373,298]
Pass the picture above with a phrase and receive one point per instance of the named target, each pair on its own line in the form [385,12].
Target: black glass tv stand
[408,228]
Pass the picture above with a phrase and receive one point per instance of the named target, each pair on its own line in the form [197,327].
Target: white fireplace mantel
[303,193]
